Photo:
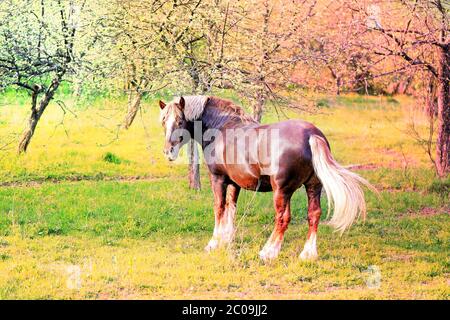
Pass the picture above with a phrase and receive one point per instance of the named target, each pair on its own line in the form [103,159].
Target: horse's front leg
[283,217]
[219,188]
[226,224]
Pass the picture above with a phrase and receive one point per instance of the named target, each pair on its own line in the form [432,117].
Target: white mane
[193,108]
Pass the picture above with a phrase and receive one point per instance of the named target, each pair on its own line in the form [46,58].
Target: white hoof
[213,244]
[269,253]
[310,250]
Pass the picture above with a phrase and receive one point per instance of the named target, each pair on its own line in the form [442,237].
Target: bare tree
[411,36]
[268,43]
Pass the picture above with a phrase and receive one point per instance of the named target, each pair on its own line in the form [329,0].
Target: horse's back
[293,160]
[293,136]
[294,128]
[283,155]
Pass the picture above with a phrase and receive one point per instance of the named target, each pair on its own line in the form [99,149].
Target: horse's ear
[182,103]
[162,105]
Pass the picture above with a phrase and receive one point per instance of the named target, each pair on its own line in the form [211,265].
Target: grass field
[96,212]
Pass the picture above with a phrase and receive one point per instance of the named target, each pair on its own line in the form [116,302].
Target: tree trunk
[443,95]
[32,123]
[337,80]
[258,107]
[194,166]
[28,133]
[134,104]
[37,111]
[193,152]
[257,112]
[338,86]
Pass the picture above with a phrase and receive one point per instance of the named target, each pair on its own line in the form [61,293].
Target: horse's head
[175,127]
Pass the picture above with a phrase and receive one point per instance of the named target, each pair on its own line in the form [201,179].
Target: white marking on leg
[224,230]
[226,234]
[271,249]
[310,249]
[270,252]
[212,245]
[214,242]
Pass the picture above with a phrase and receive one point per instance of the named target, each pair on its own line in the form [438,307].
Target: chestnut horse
[279,157]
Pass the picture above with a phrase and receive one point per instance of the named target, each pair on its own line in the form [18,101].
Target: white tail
[343,187]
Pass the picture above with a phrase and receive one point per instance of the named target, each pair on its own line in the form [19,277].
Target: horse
[279,158]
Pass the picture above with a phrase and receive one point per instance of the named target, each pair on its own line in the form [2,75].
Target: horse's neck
[215,120]
[199,129]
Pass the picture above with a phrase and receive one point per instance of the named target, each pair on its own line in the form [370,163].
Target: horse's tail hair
[342,187]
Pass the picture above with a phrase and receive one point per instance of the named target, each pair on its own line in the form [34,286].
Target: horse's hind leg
[313,190]
[283,217]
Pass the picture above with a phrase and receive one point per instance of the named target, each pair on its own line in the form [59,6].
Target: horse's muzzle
[171,153]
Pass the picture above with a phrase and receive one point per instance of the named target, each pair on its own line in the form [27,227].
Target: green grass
[130,238]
